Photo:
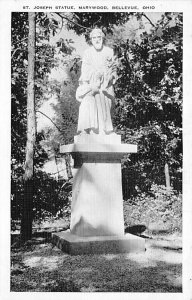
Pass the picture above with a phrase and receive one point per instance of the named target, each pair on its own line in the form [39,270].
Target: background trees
[149,103]
[44,57]
[148,108]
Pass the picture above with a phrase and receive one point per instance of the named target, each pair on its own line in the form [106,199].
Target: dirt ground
[38,266]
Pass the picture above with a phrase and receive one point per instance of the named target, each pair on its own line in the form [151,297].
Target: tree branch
[142,97]
[144,15]
[20,41]
[38,111]
[58,171]
[64,17]
[17,50]
[97,21]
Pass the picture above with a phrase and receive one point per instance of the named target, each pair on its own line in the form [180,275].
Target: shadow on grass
[51,270]
[49,283]
[97,274]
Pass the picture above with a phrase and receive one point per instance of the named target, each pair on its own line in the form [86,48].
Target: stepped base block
[76,245]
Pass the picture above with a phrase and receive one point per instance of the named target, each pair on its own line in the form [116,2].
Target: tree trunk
[68,166]
[26,222]
[167,176]
[56,166]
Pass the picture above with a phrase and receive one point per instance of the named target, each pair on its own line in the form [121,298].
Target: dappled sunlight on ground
[142,259]
[45,249]
[49,263]
[46,268]
[169,257]
[109,256]
[153,256]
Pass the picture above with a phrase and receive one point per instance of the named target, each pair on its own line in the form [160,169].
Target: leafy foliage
[45,60]
[149,102]
[67,108]
[84,22]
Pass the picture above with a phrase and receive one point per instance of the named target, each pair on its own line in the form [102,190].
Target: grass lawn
[37,266]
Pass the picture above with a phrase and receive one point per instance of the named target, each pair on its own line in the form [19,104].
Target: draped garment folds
[95,110]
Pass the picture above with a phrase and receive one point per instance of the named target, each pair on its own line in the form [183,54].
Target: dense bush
[159,210]
[51,198]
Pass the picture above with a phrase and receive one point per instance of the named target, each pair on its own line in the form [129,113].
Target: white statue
[95,91]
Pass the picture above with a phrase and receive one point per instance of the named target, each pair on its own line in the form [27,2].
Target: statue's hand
[94,90]
[108,82]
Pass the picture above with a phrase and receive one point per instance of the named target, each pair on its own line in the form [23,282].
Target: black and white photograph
[97,124]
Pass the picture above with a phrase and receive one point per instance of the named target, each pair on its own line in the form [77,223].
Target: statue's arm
[89,82]
[82,91]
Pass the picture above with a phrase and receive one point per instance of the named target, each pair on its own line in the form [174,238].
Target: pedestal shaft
[97,203]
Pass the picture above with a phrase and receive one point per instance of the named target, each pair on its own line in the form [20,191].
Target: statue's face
[97,40]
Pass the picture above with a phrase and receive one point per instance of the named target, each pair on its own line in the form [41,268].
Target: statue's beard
[98,46]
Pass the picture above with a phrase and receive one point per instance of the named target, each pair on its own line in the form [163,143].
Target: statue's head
[97,37]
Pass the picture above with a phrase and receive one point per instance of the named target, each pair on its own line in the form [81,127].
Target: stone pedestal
[97,207]
[77,245]
[97,223]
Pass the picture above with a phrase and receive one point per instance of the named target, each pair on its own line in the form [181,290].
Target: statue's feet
[112,133]
[91,132]
[83,132]
[102,132]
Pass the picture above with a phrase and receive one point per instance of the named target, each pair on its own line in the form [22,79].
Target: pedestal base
[75,245]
